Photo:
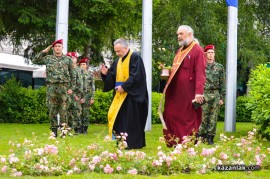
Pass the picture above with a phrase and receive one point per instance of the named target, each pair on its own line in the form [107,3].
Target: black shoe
[203,137]
[54,130]
[85,128]
[77,131]
[210,139]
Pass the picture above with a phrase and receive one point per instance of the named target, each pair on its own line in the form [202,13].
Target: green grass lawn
[18,132]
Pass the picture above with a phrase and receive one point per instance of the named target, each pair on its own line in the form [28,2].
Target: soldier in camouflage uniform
[88,95]
[214,94]
[75,109]
[59,74]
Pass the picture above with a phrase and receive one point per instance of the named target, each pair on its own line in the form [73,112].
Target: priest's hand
[119,89]
[103,69]
[46,50]
[199,98]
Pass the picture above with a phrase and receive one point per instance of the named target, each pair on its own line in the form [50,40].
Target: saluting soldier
[88,94]
[59,77]
[214,94]
[75,108]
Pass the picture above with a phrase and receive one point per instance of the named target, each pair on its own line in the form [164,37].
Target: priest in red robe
[186,83]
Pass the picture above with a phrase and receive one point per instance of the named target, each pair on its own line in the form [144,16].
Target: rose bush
[55,157]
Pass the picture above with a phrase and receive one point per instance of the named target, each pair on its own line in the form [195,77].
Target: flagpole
[231,67]
[147,54]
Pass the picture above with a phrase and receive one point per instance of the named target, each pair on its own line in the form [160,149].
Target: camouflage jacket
[57,70]
[78,83]
[88,85]
[215,79]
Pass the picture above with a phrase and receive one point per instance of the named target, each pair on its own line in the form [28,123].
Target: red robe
[179,114]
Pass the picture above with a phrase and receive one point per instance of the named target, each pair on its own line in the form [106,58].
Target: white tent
[18,63]
[40,73]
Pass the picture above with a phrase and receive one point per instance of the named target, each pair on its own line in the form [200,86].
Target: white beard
[185,42]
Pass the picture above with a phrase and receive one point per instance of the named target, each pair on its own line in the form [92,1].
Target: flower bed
[55,157]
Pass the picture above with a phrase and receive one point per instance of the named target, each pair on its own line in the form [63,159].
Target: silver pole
[62,27]
[147,53]
[231,70]
[62,22]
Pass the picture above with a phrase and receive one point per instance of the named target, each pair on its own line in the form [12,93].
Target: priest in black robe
[129,109]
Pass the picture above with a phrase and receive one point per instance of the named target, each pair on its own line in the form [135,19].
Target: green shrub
[22,105]
[242,113]
[259,102]
[155,103]
[100,108]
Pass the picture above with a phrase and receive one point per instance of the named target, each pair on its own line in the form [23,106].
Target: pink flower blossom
[92,167]
[13,159]
[223,156]
[92,147]
[4,169]
[213,160]
[50,149]
[17,174]
[72,161]
[140,155]
[76,169]
[236,155]
[96,159]
[118,168]
[84,160]
[132,171]
[206,152]
[168,160]
[191,152]
[3,159]
[108,169]
[156,163]
[70,172]
[203,170]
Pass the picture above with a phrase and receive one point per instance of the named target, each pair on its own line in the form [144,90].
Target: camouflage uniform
[60,74]
[75,109]
[214,91]
[89,92]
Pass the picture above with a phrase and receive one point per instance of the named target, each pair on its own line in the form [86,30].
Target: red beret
[72,54]
[60,41]
[84,60]
[209,47]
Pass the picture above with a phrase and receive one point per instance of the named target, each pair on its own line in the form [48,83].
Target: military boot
[203,137]
[85,128]
[77,131]
[54,130]
[210,139]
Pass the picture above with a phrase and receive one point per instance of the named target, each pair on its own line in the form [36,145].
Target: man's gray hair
[187,28]
[121,41]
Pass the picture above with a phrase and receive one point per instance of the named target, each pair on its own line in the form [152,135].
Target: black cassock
[132,115]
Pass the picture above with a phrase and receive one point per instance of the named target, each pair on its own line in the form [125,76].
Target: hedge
[25,105]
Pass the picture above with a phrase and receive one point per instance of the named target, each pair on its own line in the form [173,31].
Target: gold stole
[178,59]
[122,74]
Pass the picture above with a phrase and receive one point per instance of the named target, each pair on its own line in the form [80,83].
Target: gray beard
[183,43]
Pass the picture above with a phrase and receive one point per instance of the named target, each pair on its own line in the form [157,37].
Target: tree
[93,24]
[209,21]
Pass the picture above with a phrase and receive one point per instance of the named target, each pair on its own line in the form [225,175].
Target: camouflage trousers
[57,102]
[85,113]
[210,113]
[74,113]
